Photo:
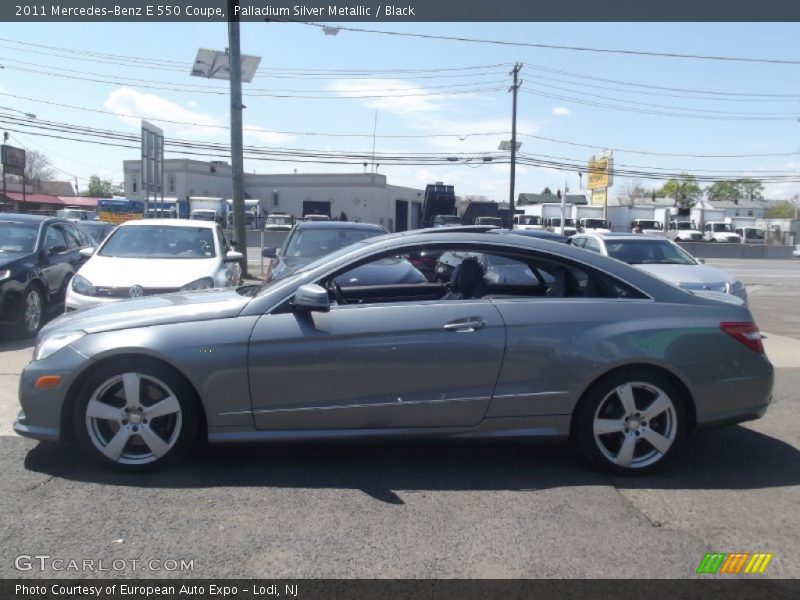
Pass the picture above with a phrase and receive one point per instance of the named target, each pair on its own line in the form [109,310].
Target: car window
[313,242]
[500,274]
[223,241]
[74,238]
[579,242]
[593,245]
[53,239]
[17,238]
[160,241]
[648,251]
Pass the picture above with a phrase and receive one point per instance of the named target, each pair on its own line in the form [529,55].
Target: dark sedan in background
[38,257]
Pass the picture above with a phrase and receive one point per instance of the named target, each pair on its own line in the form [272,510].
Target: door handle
[465,325]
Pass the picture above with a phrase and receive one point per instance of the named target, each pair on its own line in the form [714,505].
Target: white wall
[364,197]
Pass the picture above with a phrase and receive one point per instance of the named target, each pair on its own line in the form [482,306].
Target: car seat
[565,285]
[467,281]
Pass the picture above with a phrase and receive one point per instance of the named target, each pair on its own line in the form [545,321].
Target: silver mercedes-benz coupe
[587,348]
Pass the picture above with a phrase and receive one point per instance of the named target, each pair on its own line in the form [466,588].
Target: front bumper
[40,417]
[75,301]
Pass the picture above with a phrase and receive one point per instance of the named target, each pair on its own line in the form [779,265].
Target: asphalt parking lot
[425,510]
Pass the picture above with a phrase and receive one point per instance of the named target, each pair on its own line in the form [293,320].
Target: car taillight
[746,333]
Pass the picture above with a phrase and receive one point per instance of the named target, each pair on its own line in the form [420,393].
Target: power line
[129,140]
[460,136]
[778,61]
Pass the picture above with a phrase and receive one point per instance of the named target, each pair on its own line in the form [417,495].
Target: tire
[31,311]
[131,432]
[631,422]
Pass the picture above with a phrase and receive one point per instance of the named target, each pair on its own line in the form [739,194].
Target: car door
[55,259]
[376,366]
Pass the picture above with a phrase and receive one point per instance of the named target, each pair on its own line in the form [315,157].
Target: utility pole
[514,88]
[237,150]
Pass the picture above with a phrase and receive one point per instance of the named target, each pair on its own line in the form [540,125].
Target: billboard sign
[600,172]
[13,160]
[152,163]
[599,197]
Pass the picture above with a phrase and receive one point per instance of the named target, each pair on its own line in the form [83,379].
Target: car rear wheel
[136,416]
[631,423]
[31,311]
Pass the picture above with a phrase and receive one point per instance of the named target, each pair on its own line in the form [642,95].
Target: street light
[512,146]
[27,114]
[235,67]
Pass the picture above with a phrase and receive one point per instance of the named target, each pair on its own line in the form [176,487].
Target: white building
[365,197]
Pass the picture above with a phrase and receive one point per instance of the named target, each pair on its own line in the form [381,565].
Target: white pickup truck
[719,231]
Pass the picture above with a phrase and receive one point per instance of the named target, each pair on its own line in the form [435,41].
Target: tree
[736,190]
[633,189]
[780,210]
[684,189]
[38,167]
[724,190]
[99,188]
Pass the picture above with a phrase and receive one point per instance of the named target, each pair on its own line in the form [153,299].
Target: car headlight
[82,286]
[53,343]
[5,274]
[206,283]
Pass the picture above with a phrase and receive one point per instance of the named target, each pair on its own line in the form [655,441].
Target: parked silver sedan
[662,258]
[590,349]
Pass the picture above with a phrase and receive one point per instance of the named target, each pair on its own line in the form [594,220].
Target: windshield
[17,238]
[489,221]
[722,227]
[160,241]
[683,225]
[313,242]
[601,223]
[643,252]
[557,222]
[279,220]
[209,215]
[528,220]
[752,233]
[648,224]
[447,219]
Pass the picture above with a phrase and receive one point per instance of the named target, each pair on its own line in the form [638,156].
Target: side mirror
[54,250]
[233,257]
[311,297]
[87,252]
[270,252]
[702,261]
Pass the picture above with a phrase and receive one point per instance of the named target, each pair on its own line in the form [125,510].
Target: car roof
[170,222]
[338,225]
[31,219]
[621,236]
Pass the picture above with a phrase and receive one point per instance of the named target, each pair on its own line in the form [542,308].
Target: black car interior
[467,280]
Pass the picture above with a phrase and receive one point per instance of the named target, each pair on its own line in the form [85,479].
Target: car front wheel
[135,415]
[630,423]
[32,311]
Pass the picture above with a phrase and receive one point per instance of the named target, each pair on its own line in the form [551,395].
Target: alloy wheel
[635,425]
[32,315]
[133,419]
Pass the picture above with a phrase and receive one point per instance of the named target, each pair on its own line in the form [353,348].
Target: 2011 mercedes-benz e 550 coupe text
[586,348]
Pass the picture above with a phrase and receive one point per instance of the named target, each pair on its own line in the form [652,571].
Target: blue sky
[295,46]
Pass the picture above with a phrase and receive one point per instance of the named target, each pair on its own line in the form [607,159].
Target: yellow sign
[599,197]
[599,170]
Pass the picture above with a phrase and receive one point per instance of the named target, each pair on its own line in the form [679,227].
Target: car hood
[7,260]
[151,310]
[689,276]
[112,271]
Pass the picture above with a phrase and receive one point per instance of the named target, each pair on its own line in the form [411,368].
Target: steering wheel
[336,290]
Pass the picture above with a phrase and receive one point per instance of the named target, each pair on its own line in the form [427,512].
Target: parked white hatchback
[155,256]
